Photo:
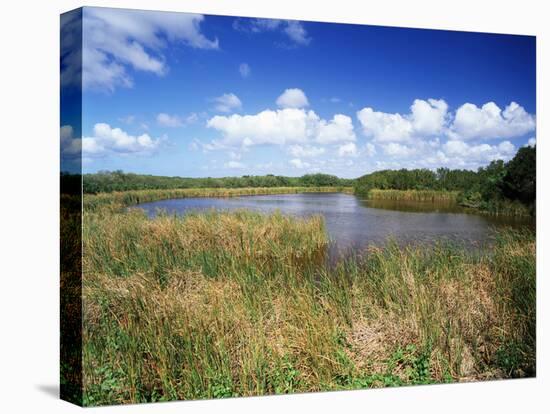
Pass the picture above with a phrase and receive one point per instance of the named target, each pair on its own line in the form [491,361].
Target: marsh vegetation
[219,304]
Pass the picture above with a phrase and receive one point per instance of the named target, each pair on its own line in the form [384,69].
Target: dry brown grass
[220,304]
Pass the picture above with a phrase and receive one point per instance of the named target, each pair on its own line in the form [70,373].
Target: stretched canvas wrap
[255,206]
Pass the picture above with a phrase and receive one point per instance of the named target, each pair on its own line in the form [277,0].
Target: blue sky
[192,95]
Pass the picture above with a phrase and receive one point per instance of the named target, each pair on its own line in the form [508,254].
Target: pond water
[352,222]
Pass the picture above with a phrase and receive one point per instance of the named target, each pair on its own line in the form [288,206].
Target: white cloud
[418,139]
[280,127]
[427,118]
[531,142]
[236,165]
[396,150]
[267,127]
[249,25]
[478,153]
[292,98]
[338,129]
[506,148]
[227,102]
[298,163]
[347,150]
[244,70]
[383,126]
[438,159]
[71,49]
[294,29]
[457,148]
[66,132]
[170,121]
[370,149]
[70,146]
[305,151]
[490,121]
[453,154]
[106,140]
[114,39]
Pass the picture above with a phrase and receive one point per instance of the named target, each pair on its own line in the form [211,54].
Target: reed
[413,195]
[214,305]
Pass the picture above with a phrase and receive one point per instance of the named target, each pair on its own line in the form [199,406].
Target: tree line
[494,187]
[109,181]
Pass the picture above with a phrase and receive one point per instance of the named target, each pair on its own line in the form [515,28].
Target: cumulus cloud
[430,118]
[422,138]
[453,154]
[293,29]
[116,39]
[338,129]
[280,127]
[227,102]
[71,49]
[292,98]
[481,152]
[370,149]
[107,140]
[347,150]
[70,146]
[244,70]
[267,127]
[489,121]
[426,118]
[383,126]
[170,121]
[397,150]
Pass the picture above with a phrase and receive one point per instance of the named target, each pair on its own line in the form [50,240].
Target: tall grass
[217,304]
[413,195]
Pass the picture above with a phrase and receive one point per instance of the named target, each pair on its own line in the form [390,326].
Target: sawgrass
[214,305]
[413,195]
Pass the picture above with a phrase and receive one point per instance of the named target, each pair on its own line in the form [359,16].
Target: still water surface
[354,223]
